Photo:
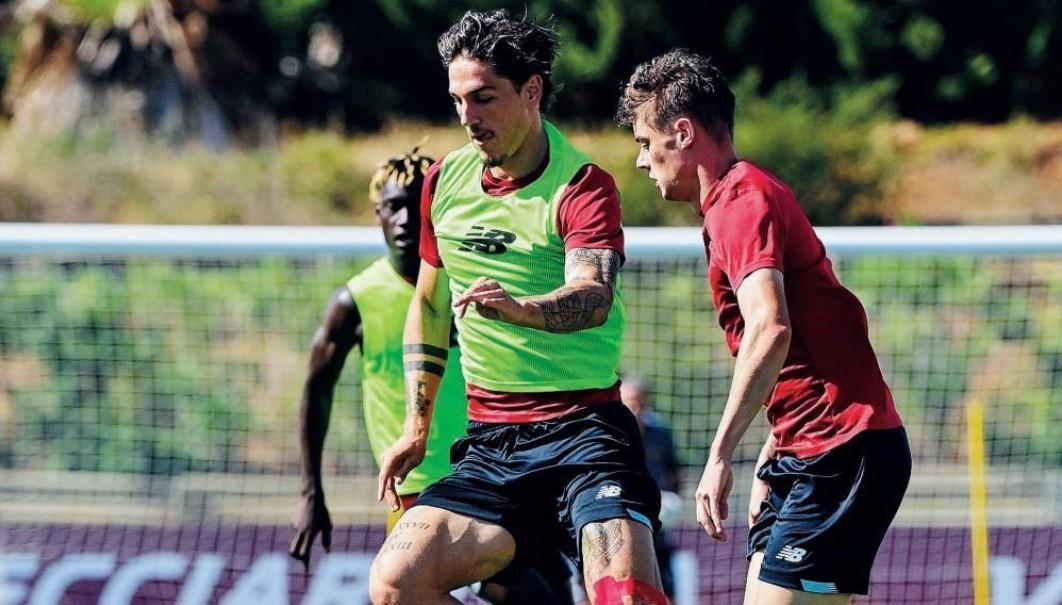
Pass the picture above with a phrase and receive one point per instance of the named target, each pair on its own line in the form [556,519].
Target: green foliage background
[166,366]
[836,156]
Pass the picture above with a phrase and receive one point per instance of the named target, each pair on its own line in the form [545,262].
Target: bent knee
[389,586]
[383,592]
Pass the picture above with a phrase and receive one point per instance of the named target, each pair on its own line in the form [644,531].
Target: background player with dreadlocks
[369,311]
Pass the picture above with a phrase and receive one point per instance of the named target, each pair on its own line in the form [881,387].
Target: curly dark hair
[679,83]
[517,48]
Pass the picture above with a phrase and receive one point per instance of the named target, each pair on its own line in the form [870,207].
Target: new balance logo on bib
[486,241]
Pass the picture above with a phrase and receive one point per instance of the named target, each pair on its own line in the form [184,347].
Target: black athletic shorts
[543,481]
[823,522]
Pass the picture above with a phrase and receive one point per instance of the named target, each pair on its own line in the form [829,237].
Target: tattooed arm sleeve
[425,346]
[585,299]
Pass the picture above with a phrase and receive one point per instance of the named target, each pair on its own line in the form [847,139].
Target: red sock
[609,591]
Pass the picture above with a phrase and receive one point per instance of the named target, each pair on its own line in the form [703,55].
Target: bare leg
[752,581]
[619,564]
[432,551]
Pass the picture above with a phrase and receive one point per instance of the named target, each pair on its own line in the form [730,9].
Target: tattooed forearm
[594,264]
[425,350]
[586,298]
[424,358]
[417,401]
[571,309]
[601,543]
[423,363]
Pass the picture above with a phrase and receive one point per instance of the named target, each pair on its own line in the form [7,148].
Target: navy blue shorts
[823,522]
[543,481]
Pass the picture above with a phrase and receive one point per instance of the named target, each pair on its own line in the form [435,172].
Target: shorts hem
[793,582]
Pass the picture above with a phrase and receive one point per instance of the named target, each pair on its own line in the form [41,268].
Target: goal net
[150,379]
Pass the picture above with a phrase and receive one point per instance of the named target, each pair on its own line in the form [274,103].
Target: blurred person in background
[369,312]
[832,473]
[662,460]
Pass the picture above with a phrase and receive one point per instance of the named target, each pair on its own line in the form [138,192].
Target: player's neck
[407,267]
[712,166]
[528,157]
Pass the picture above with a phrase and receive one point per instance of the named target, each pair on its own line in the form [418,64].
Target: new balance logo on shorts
[793,554]
[486,241]
[609,491]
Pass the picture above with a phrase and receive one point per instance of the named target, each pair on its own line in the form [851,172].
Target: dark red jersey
[830,388]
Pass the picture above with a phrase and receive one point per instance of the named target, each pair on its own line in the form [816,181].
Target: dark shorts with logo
[543,481]
[823,522]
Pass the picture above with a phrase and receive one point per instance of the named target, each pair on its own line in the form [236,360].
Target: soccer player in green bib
[369,312]
[521,242]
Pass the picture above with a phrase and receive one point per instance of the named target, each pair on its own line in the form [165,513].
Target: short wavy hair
[675,84]
[517,48]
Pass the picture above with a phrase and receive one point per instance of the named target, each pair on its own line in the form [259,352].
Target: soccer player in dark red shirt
[833,471]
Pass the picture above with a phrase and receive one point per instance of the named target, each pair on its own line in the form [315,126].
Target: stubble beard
[493,161]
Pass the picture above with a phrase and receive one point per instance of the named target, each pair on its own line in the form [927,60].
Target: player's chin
[669,193]
[493,160]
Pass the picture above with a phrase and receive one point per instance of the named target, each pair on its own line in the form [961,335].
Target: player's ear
[532,90]
[685,133]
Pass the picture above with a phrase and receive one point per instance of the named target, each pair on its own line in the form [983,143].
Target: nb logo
[609,491]
[793,554]
[486,241]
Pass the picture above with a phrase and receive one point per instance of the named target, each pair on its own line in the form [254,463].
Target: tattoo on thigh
[402,525]
[394,545]
[399,538]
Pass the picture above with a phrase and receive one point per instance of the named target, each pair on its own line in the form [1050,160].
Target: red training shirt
[588,216]
[830,387]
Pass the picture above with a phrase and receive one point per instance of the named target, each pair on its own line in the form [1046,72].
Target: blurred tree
[224,70]
[181,70]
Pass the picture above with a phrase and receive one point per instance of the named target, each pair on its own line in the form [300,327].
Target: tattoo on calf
[601,542]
